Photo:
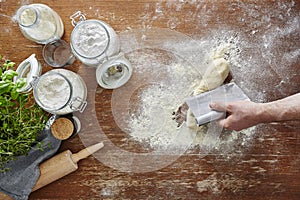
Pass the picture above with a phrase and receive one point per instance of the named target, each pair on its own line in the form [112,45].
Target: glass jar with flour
[58,91]
[39,23]
[96,44]
[93,41]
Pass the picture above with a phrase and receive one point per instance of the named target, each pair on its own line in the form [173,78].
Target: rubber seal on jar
[29,69]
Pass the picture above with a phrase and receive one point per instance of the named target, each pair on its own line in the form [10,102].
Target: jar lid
[29,69]
[114,73]
[27,15]
[90,38]
[52,91]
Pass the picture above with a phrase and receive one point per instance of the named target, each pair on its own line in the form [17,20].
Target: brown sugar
[62,128]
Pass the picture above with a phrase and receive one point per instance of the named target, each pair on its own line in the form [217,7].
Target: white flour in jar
[28,17]
[40,23]
[92,41]
[53,92]
[61,94]
[79,91]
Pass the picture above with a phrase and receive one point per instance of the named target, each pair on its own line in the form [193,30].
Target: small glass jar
[58,91]
[76,124]
[93,41]
[39,23]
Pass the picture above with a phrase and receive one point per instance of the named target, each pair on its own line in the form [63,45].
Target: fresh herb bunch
[21,119]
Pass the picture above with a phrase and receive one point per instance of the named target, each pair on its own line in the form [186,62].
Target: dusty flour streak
[25,2]
[218,183]
[107,188]
[270,161]
[6,16]
[259,169]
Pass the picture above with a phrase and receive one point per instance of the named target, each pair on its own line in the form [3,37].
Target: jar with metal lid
[58,91]
[39,23]
[93,41]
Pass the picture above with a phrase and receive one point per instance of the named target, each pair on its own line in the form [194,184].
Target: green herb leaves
[21,119]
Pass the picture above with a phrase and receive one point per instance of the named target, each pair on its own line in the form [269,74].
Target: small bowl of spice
[62,128]
[65,127]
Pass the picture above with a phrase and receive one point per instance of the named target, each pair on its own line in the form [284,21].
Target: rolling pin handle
[86,152]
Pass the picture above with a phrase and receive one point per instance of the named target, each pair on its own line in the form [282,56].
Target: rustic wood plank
[266,167]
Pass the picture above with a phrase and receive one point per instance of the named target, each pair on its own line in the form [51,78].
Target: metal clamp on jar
[58,91]
[96,44]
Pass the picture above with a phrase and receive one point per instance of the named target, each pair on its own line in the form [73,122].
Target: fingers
[221,122]
[224,123]
[218,106]
[229,125]
[222,107]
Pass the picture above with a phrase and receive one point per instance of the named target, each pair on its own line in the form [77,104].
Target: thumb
[225,124]
[218,106]
[221,122]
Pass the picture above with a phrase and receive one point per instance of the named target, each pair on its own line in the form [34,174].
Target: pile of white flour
[162,79]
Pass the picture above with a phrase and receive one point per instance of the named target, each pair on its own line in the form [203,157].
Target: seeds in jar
[62,128]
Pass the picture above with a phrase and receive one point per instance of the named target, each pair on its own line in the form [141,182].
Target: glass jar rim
[78,26]
[40,102]
[21,10]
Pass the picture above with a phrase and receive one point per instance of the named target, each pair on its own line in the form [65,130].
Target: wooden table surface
[264,166]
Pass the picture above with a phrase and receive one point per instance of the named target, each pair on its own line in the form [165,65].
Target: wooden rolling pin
[5,197]
[59,166]
[62,164]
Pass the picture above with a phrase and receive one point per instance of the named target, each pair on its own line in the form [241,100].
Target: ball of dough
[214,76]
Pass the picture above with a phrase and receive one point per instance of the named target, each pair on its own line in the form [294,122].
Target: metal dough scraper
[199,104]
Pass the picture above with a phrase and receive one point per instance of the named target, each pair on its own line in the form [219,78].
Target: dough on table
[216,73]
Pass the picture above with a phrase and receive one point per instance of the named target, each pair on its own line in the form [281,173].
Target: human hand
[240,114]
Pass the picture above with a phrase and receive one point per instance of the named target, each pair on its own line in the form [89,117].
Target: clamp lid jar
[60,92]
[93,41]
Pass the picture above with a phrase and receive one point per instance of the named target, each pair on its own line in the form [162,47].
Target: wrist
[267,113]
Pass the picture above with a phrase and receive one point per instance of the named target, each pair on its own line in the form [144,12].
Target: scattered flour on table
[171,82]
[216,183]
[265,29]
[152,121]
